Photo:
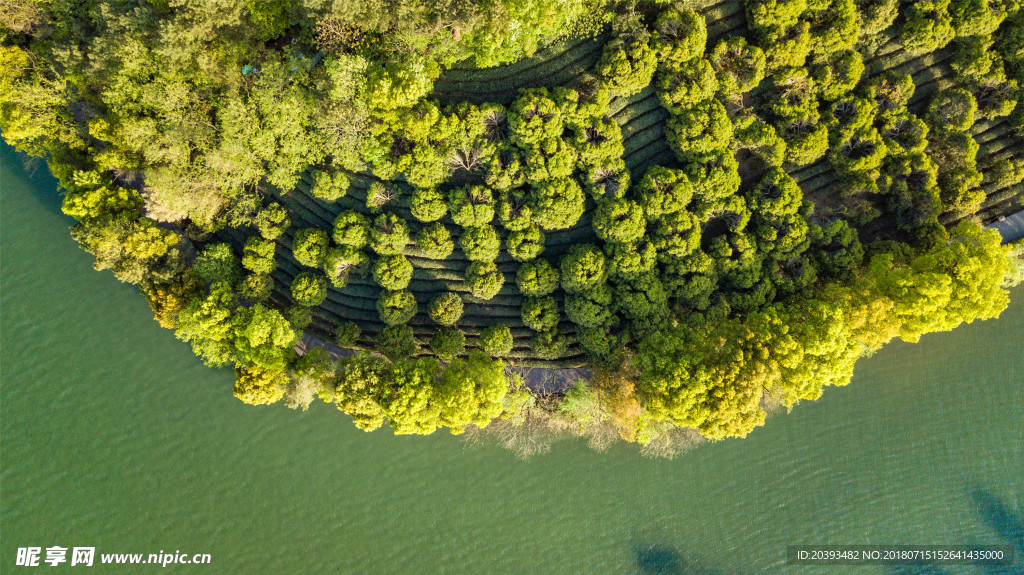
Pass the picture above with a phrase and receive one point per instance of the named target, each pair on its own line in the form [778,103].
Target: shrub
[256,287]
[703,128]
[217,263]
[927,28]
[448,343]
[514,211]
[583,268]
[607,180]
[379,195]
[446,308]
[342,261]
[329,185]
[309,289]
[272,221]
[393,272]
[396,342]
[549,344]
[351,229]
[346,335]
[258,255]
[626,66]
[537,278]
[591,308]
[389,234]
[435,241]
[952,109]
[630,259]
[683,85]
[739,67]
[484,280]
[679,35]
[480,244]
[557,204]
[526,245]
[310,246]
[428,205]
[876,15]
[619,220]
[540,313]
[496,340]
[299,316]
[396,307]
[471,206]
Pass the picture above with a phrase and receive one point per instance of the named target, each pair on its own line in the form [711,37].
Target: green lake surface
[115,436]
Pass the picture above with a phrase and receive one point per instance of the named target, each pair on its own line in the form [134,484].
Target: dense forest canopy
[263,169]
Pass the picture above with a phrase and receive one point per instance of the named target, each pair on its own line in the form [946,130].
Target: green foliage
[448,343]
[258,255]
[389,235]
[703,128]
[952,109]
[255,287]
[217,263]
[683,85]
[480,243]
[342,261]
[540,313]
[549,344]
[556,204]
[928,27]
[435,241]
[496,340]
[309,289]
[739,67]
[396,307]
[627,65]
[347,334]
[396,342]
[428,205]
[583,268]
[392,272]
[272,221]
[351,229]
[484,280]
[470,391]
[620,220]
[446,308]
[591,308]
[299,316]
[527,244]
[309,246]
[329,185]
[471,206]
[537,278]
[678,35]
[663,191]
[259,386]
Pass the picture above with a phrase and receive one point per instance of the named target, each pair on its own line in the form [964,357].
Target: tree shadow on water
[1001,518]
[660,559]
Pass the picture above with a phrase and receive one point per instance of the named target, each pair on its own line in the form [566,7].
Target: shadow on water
[660,559]
[43,187]
[1001,518]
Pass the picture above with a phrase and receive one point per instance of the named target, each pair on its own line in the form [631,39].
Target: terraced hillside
[641,119]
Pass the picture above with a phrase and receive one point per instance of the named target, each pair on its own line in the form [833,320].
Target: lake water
[115,436]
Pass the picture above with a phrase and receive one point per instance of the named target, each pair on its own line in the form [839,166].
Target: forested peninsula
[715,207]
